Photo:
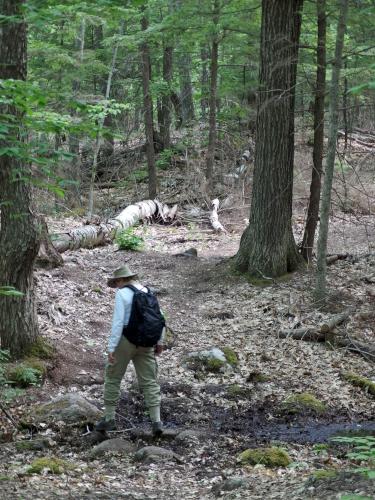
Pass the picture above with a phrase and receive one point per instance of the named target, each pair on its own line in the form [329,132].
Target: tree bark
[267,246]
[74,171]
[186,88]
[321,285]
[148,113]
[315,186]
[204,81]
[19,234]
[98,141]
[212,100]
[165,125]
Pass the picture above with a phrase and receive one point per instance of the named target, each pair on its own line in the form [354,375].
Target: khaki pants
[146,369]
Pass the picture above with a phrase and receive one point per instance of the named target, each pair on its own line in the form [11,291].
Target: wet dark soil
[254,423]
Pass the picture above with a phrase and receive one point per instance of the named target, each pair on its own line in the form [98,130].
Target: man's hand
[111,358]
[158,349]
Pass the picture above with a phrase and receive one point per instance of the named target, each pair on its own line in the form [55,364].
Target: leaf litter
[207,306]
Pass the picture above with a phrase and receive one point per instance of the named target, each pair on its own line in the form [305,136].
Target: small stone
[189,435]
[116,445]
[150,454]
[33,445]
[230,484]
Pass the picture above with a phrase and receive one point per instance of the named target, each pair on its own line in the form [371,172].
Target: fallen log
[326,333]
[214,218]
[91,235]
[316,333]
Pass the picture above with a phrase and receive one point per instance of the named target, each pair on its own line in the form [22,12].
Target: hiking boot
[105,425]
[157,429]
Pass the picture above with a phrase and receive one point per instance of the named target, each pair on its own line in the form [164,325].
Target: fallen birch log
[214,218]
[95,235]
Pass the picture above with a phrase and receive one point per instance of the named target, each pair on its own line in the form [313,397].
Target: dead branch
[326,333]
[214,217]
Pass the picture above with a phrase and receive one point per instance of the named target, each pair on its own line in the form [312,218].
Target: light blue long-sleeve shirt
[121,314]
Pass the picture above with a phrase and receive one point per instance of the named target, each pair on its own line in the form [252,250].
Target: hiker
[131,342]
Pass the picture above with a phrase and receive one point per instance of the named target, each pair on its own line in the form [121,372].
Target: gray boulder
[70,408]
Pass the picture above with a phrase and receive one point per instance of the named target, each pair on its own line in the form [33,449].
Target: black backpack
[146,322]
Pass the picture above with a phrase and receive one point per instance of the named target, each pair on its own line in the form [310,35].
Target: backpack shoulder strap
[135,289]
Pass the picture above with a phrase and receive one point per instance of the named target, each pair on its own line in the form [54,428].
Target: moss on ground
[257,377]
[359,381]
[230,356]
[324,474]
[214,365]
[236,390]
[41,349]
[52,464]
[303,402]
[270,457]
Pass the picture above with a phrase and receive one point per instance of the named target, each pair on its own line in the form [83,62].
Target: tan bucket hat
[122,272]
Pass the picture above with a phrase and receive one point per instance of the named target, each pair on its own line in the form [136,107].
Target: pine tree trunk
[204,81]
[98,141]
[148,113]
[74,171]
[315,186]
[267,246]
[321,285]
[19,235]
[166,104]
[186,88]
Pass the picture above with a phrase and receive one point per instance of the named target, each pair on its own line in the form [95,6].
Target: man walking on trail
[137,329]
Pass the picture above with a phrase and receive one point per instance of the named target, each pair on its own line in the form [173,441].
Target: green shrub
[24,375]
[164,160]
[128,240]
[363,447]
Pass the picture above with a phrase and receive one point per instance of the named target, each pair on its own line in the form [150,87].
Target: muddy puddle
[256,424]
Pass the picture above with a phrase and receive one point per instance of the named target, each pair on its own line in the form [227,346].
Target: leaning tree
[19,233]
[267,245]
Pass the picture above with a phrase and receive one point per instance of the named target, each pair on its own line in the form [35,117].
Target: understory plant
[363,450]
[126,239]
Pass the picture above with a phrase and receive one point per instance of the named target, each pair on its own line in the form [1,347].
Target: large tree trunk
[313,208]
[321,285]
[148,112]
[212,100]
[267,246]
[19,236]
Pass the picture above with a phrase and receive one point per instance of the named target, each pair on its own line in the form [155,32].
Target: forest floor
[207,306]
